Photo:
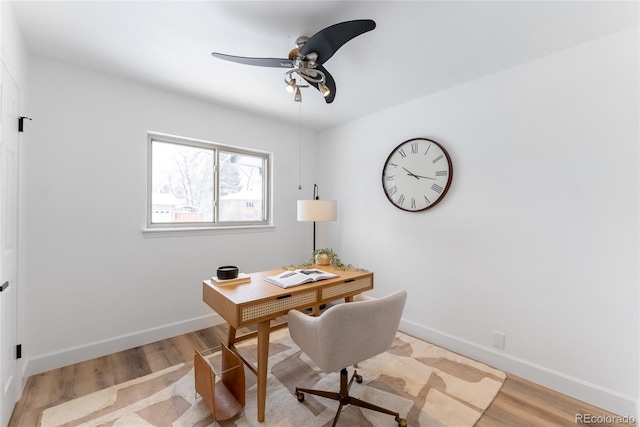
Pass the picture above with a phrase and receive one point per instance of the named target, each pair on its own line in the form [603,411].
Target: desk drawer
[283,305]
[346,288]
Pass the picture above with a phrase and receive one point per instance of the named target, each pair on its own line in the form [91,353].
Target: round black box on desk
[227,272]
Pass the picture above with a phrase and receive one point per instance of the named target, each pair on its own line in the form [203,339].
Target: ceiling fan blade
[331,84]
[326,42]
[260,62]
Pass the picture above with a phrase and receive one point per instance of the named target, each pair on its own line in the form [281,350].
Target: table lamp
[317,210]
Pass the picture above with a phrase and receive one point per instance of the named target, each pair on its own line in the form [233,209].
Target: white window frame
[215,224]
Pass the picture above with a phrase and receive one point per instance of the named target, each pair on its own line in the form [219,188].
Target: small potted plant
[327,256]
[321,256]
[324,256]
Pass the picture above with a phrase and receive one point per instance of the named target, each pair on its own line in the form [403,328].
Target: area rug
[428,385]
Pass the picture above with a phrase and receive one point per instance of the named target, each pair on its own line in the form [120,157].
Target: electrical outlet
[498,339]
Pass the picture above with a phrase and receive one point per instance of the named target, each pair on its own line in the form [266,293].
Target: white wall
[538,236]
[95,284]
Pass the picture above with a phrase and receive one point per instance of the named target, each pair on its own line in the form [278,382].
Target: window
[195,183]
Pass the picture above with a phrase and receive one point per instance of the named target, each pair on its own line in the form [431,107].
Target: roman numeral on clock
[402,153]
[413,203]
[389,177]
[438,158]
[437,188]
[441,173]
[401,199]
[414,147]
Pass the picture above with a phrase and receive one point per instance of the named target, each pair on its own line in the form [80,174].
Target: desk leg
[231,336]
[263,367]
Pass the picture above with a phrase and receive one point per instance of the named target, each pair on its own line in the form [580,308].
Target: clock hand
[416,176]
[410,174]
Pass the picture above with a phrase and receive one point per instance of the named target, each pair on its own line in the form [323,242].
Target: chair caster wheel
[359,379]
[401,422]
[300,397]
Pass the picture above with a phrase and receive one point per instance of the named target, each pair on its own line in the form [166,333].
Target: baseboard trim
[68,356]
[598,396]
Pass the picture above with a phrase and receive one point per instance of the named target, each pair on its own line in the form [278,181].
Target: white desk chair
[344,335]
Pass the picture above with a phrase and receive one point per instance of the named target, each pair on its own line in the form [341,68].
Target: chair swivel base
[344,398]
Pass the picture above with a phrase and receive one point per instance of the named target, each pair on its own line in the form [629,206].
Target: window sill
[199,231]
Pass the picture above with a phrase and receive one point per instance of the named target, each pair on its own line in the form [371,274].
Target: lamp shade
[317,210]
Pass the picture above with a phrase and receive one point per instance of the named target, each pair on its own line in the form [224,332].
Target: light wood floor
[519,403]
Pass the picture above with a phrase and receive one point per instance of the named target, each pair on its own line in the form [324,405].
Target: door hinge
[21,123]
[19,351]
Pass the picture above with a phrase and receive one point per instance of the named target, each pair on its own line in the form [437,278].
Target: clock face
[417,175]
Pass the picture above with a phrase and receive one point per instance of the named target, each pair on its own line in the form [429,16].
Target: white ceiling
[418,48]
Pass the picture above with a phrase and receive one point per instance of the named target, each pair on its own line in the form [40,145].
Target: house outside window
[202,184]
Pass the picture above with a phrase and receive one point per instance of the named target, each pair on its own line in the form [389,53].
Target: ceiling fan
[307,58]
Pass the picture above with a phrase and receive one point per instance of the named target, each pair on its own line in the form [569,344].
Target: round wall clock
[417,175]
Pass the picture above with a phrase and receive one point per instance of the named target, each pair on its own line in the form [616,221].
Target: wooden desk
[259,302]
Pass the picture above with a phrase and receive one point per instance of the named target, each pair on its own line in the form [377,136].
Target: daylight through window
[202,184]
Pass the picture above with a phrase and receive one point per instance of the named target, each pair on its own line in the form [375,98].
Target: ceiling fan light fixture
[324,89]
[307,59]
[291,86]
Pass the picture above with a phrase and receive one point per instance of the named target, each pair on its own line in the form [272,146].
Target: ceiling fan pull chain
[300,150]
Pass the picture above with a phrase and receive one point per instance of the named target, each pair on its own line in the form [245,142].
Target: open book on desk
[288,279]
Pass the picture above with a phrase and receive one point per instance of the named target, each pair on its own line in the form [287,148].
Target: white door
[10,384]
